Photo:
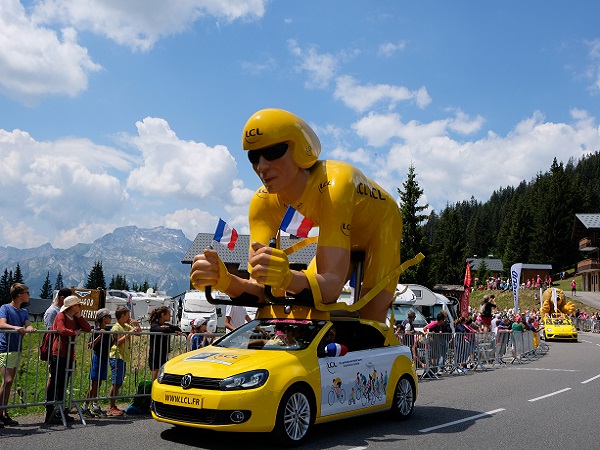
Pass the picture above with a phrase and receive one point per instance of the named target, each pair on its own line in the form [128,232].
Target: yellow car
[557,326]
[286,371]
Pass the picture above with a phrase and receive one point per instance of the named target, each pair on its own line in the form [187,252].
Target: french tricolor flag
[295,223]
[226,235]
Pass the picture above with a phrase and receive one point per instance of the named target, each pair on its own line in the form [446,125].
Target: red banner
[464,301]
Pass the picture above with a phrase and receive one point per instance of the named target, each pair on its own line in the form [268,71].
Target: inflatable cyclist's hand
[270,266]
[209,270]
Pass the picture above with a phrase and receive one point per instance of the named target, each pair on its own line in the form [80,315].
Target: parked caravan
[427,302]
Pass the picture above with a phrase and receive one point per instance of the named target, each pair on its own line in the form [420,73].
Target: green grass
[504,299]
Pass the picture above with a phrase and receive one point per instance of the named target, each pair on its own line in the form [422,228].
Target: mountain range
[153,255]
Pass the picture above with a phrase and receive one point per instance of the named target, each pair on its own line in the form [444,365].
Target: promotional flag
[334,349]
[295,223]
[226,235]
[515,278]
[541,302]
[464,302]
[554,300]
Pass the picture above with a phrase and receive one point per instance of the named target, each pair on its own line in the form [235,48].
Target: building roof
[493,265]
[240,254]
[589,220]
[537,266]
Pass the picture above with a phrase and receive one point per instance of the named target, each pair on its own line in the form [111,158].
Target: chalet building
[236,261]
[587,230]
[496,268]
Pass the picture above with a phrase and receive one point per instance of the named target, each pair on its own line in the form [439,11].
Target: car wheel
[294,417]
[404,399]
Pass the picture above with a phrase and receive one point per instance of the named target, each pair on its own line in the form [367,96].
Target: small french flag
[295,223]
[226,235]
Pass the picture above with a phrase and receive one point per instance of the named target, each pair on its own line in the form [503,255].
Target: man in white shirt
[235,317]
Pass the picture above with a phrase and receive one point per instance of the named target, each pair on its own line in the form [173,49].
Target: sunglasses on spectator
[269,153]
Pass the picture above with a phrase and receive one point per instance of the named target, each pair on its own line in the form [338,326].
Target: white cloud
[450,170]
[36,61]
[594,52]
[321,67]
[138,24]
[388,49]
[191,222]
[361,98]
[179,169]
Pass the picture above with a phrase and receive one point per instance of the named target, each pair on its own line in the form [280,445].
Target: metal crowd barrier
[72,378]
[438,353]
[588,325]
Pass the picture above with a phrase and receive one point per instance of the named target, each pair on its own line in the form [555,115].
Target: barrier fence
[65,383]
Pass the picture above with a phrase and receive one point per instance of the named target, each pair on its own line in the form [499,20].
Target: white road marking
[591,379]
[357,448]
[549,395]
[466,419]
[548,370]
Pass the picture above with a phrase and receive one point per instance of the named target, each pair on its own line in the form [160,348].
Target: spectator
[160,346]
[69,323]
[485,311]
[12,317]
[573,288]
[54,308]
[100,345]
[235,317]
[408,322]
[196,340]
[120,354]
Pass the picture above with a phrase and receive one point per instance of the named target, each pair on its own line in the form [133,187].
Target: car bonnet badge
[186,381]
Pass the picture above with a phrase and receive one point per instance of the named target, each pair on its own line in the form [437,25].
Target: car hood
[215,362]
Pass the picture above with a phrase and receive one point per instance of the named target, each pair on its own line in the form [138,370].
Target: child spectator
[12,317]
[120,354]
[195,340]
[100,343]
[160,346]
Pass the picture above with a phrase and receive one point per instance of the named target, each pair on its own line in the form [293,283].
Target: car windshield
[401,314]
[273,334]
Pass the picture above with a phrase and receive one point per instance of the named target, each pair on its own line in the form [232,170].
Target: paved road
[589,298]
[551,402]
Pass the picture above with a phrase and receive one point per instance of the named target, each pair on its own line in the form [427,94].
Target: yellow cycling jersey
[351,211]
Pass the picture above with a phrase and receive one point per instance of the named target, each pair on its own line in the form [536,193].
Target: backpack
[141,405]
[45,347]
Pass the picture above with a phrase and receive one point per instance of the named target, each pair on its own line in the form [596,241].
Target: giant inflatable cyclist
[353,213]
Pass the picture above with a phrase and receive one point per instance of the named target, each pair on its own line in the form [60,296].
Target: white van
[195,306]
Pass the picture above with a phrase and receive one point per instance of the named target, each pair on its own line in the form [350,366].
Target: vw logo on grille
[186,381]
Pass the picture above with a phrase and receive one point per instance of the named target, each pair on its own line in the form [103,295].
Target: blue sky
[130,113]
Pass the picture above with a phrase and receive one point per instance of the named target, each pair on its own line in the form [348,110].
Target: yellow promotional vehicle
[559,326]
[284,372]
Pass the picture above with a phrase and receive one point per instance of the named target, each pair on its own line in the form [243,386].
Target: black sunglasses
[269,153]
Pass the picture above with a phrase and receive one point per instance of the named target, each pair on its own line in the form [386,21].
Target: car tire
[404,399]
[295,417]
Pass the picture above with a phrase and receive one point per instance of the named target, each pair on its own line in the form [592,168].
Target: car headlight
[161,374]
[246,380]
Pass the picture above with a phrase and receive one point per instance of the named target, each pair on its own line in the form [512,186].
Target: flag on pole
[295,223]
[541,302]
[515,278]
[226,235]
[554,300]
[464,302]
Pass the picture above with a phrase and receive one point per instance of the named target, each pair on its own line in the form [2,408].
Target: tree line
[95,280]
[531,223]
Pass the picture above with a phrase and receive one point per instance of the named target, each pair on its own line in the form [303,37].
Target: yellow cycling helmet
[272,126]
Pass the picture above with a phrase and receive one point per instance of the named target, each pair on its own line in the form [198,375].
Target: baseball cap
[102,313]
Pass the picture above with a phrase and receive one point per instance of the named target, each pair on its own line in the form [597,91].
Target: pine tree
[413,235]
[96,278]
[46,288]
[58,284]
[18,278]
[5,288]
